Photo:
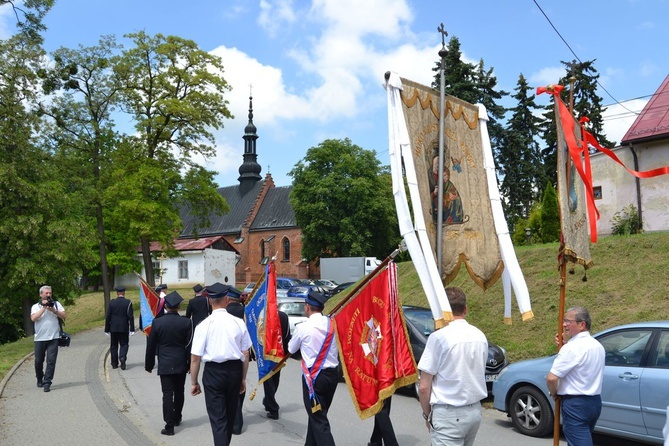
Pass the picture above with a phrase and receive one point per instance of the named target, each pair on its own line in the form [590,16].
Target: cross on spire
[443,33]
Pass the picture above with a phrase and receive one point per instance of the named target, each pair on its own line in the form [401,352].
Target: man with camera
[45,314]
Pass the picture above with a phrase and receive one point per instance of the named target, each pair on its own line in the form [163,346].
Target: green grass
[628,283]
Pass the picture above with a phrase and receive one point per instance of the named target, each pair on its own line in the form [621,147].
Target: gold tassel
[315,407]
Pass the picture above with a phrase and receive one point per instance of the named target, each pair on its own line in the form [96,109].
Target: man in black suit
[271,385]
[171,336]
[119,326]
[198,307]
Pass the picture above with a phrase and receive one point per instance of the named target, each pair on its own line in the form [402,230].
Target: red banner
[373,342]
[273,339]
[148,305]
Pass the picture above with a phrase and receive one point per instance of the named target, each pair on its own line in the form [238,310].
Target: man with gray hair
[45,314]
[576,378]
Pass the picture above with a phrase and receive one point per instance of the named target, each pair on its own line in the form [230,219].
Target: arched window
[262,249]
[285,244]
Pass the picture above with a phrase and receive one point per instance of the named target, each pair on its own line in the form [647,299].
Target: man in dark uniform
[222,342]
[236,308]
[271,385]
[198,307]
[315,340]
[119,325]
[170,337]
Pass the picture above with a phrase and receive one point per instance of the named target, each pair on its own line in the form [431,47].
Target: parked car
[326,284]
[303,290]
[420,325]
[633,400]
[283,284]
[338,289]
[294,308]
[247,290]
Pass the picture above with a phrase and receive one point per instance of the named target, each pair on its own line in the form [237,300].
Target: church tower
[249,171]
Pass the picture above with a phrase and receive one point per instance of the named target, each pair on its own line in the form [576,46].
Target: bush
[550,216]
[626,221]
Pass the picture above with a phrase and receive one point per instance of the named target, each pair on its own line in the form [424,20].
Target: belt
[566,397]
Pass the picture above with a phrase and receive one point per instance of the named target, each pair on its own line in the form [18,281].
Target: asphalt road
[91,403]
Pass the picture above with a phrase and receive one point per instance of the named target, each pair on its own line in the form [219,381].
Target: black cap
[157,289]
[316,299]
[215,295]
[234,293]
[217,288]
[173,299]
[163,286]
[120,289]
[197,288]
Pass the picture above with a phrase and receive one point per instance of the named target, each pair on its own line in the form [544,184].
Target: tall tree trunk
[104,265]
[28,326]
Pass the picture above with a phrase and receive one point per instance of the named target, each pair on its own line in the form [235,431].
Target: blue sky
[317,66]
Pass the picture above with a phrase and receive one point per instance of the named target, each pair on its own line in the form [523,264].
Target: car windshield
[422,319]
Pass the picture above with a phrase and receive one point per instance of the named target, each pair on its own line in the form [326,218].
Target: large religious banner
[469,234]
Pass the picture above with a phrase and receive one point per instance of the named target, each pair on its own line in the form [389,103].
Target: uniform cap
[173,299]
[197,288]
[316,299]
[234,293]
[120,289]
[217,288]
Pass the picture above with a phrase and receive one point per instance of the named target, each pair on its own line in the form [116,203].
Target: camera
[49,302]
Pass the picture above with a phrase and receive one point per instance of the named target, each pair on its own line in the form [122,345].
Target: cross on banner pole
[440,187]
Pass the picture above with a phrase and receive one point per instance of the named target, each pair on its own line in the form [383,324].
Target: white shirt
[580,366]
[221,337]
[308,337]
[456,356]
[46,327]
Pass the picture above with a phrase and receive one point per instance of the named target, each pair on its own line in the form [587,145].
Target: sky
[315,68]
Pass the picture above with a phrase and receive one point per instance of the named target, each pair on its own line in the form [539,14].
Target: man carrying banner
[315,339]
[222,342]
[452,379]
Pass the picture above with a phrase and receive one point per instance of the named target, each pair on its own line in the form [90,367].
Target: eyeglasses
[570,321]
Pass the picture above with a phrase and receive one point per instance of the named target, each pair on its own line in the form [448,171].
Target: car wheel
[531,413]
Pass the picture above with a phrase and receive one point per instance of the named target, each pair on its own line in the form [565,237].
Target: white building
[644,147]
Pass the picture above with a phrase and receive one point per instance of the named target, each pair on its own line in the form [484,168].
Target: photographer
[45,314]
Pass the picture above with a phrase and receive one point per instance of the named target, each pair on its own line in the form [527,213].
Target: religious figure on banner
[452,212]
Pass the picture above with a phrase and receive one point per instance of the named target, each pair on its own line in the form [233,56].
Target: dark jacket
[171,336]
[285,331]
[120,318]
[198,309]
[236,309]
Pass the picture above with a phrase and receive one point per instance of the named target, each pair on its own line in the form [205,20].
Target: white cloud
[618,119]
[275,15]
[7,21]
[546,76]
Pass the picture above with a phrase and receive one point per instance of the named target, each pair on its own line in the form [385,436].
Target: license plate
[491,378]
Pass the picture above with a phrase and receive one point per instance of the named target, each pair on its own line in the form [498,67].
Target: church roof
[230,223]
[275,210]
[653,121]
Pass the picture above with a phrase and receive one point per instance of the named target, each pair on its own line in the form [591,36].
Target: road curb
[9,374]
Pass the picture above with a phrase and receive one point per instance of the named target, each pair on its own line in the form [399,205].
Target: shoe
[167,431]
[123,368]
[47,387]
[272,416]
[39,382]
[114,366]
[236,432]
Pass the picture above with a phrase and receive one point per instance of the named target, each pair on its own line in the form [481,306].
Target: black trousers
[50,350]
[173,398]
[318,426]
[270,387]
[383,433]
[239,418]
[222,382]
[118,339]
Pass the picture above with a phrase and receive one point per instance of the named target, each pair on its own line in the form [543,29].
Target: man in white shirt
[452,377]
[45,314]
[576,378]
[222,342]
[319,371]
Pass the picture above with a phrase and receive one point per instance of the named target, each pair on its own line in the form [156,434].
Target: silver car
[635,391]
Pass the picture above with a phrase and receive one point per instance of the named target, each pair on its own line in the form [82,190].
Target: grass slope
[628,283]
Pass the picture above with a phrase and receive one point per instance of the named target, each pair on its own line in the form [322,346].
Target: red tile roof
[653,122]
[189,244]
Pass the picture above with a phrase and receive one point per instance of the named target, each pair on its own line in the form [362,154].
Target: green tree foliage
[29,15]
[460,78]
[626,221]
[518,159]
[586,103]
[43,236]
[343,202]
[175,93]
[550,217]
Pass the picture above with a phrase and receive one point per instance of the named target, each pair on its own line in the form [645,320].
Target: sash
[310,374]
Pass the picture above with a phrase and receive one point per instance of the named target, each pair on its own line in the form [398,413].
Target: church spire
[249,171]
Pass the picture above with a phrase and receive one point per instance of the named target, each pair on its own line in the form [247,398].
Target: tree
[519,156]
[43,236]
[175,93]
[84,131]
[550,216]
[460,78]
[586,103]
[29,15]
[342,199]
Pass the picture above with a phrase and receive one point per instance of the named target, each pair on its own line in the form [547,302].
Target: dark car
[303,290]
[420,325]
[338,289]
